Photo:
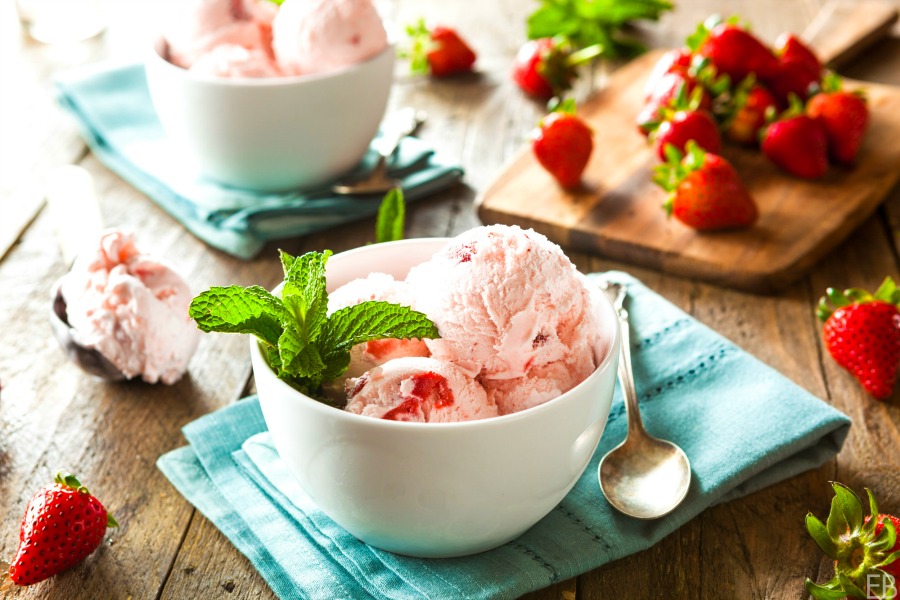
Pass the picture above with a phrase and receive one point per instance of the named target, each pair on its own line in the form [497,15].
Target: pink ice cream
[203,25]
[232,60]
[314,36]
[512,311]
[296,38]
[419,390]
[132,308]
[377,286]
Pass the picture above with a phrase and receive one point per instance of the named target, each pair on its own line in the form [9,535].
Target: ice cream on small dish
[299,37]
[132,308]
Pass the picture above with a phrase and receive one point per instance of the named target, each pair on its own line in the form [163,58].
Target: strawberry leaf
[830,591]
[820,534]
[888,291]
[850,506]
[836,524]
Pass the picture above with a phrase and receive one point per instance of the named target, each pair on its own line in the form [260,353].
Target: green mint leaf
[391,217]
[235,309]
[589,22]
[365,322]
[304,292]
[299,358]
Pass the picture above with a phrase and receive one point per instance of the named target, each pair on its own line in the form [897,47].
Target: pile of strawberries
[726,85]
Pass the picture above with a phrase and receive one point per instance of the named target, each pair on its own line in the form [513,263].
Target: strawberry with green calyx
[439,51]
[843,115]
[562,144]
[684,120]
[705,191]
[866,551]
[699,79]
[746,110]
[677,60]
[796,143]
[862,334]
[732,49]
[63,524]
[547,67]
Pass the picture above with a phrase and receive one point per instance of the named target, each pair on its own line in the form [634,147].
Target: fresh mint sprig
[589,22]
[303,344]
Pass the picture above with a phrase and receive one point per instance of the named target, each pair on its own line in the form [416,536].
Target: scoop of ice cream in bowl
[459,438]
[121,313]
[272,97]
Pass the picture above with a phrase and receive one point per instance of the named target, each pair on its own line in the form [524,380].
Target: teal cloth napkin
[112,106]
[743,426]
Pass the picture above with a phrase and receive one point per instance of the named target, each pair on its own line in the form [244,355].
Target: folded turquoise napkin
[112,106]
[743,426]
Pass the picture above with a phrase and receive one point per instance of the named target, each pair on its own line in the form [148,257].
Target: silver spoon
[644,477]
[398,126]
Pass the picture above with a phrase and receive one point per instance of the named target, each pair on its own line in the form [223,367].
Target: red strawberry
[797,143]
[439,51]
[793,76]
[844,116]
[748,111]
[547,67]
[862,334]
[670,87]
[733,50]
[788,46]
[563,144]
[686,125]
[673,61]
[866,551]
[705,190]
[63,524]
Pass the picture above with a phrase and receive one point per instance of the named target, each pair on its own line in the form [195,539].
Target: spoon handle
[626,378]
[403,123]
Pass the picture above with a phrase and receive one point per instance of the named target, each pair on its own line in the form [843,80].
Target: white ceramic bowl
[436,489]
[271,134]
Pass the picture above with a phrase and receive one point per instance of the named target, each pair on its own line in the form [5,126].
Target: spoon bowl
[644,477]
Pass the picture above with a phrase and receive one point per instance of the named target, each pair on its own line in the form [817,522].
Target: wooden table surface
[52,415]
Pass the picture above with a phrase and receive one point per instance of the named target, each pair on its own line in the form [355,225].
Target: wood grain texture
[52,415]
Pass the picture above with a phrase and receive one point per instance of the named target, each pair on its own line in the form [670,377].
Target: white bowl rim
[259,82]
[611,354]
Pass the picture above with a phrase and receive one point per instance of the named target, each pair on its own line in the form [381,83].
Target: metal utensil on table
[398,126]
[644,477]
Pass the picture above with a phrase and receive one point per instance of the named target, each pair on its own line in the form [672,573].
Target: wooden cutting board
[617,213]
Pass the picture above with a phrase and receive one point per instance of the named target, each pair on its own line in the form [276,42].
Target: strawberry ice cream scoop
[203,25]
[314,36]
[377,286]
[232,60]
[505,300]
[421,390]
[132,308]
